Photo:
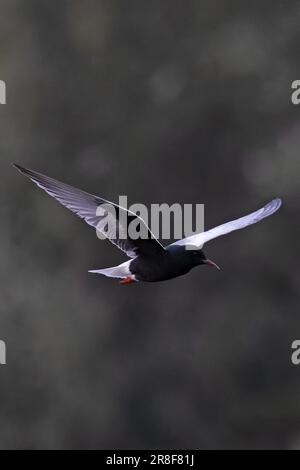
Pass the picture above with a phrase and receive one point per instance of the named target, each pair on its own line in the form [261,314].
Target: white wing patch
[201,238]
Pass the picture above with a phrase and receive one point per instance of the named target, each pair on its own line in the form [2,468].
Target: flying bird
[149,260]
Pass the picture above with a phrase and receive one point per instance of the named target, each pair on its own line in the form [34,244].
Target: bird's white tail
[120,271]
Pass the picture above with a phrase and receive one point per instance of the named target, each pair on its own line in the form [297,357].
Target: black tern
[150,260]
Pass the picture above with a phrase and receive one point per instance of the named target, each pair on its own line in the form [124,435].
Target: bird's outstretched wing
[87,206]
[201,238]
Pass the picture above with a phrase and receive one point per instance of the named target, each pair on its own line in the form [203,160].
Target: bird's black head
[197,257]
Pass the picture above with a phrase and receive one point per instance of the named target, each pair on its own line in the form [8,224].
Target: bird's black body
[174,261]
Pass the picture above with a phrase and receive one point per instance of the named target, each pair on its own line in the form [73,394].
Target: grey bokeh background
[165,102]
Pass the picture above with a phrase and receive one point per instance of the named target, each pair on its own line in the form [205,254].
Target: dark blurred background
[163,101]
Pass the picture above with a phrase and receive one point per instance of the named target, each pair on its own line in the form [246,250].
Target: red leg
[127,280]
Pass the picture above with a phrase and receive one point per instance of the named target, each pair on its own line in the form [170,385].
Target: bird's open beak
[212,264]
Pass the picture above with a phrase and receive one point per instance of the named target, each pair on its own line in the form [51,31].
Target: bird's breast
[159,268]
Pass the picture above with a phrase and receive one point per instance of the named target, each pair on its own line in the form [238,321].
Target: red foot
[127,280]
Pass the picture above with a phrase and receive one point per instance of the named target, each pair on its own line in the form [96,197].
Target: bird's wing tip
[20,168]
[277,203]
[271,208]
